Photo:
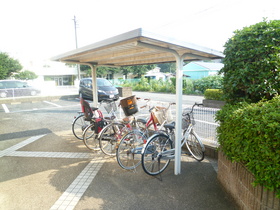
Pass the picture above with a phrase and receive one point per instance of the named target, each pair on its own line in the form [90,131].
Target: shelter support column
[178,133]
[94,85]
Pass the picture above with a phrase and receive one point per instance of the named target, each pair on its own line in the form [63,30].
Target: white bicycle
[159,150]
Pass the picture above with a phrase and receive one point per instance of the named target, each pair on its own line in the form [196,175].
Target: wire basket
[110,106]
[187,119]
[160,114]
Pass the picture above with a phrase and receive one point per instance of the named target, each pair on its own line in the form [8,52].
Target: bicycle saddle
[170,125]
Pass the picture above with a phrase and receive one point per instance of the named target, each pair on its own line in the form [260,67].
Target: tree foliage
[26,75]
[139,70]
[252,63]
[167,67]
[8,66]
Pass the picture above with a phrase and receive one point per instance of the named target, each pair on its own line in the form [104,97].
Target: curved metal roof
[137,47]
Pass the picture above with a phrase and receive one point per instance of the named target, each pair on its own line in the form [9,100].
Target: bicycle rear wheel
[195,146]
[79,125]
[109,137]
[90,139]
[129,149]
[156,154]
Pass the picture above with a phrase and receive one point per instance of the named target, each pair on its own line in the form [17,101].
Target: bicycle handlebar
[197,104]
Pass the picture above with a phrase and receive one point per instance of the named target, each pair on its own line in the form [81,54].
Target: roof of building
[208,65]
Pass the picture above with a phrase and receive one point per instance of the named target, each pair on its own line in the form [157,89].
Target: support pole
[178,133]
[94,85]
[179,82]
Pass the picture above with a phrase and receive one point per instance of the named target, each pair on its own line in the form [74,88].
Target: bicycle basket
[186,121]
[129,105]
[160,114]
[187,118]
[110,106]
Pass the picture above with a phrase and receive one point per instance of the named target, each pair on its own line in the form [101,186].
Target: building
[200,69]
[155,74]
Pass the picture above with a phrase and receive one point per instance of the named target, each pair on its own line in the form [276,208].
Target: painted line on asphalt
[73,194]
[11,149]
[52,154]
[36,109]
[5,108]
[47,102]
[70,198]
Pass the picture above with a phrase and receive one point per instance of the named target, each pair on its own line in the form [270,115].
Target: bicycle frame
[170,154]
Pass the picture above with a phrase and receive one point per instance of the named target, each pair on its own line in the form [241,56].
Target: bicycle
[81,122]
[130,147]
[92,131]
[112,133]
[107,138]
[158,151]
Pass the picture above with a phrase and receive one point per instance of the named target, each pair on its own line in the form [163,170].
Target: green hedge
[250,134]
[213,94]
[209,82]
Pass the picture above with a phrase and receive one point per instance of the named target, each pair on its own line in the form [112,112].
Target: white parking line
[51,154]
[5,108]
[10,150]
[47,102]
[46,108]
[72,195]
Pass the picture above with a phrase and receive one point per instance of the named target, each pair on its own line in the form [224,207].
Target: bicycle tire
[79,125]
[91,140]
[195,146]
[153,161]
[109,137]
[129,149]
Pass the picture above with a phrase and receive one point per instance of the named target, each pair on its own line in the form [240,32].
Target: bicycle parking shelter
[140,47]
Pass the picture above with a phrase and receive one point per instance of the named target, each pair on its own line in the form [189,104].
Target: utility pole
[76,40]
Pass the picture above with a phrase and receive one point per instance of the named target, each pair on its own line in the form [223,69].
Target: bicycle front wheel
[156,154]
[79,125]
[109,137]
[129,149]
[195,146]
[90,140]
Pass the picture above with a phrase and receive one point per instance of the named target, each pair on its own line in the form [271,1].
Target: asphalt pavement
[51,169]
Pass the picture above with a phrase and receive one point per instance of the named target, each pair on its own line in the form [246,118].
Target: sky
[33,30]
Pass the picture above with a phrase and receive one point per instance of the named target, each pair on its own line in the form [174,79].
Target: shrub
[213,94]
[252,63]
[210,82]
[187,86]
[249,134]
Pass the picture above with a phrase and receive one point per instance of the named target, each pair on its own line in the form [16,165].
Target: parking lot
[43,166]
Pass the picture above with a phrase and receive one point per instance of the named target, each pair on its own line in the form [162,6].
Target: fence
[205,125]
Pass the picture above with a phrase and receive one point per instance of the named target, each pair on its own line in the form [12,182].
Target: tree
[8,66]
[125,70]
[167,67]
[140,70]
[26,75]
[252,63]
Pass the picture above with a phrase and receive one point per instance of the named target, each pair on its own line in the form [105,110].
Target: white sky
[40,29]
